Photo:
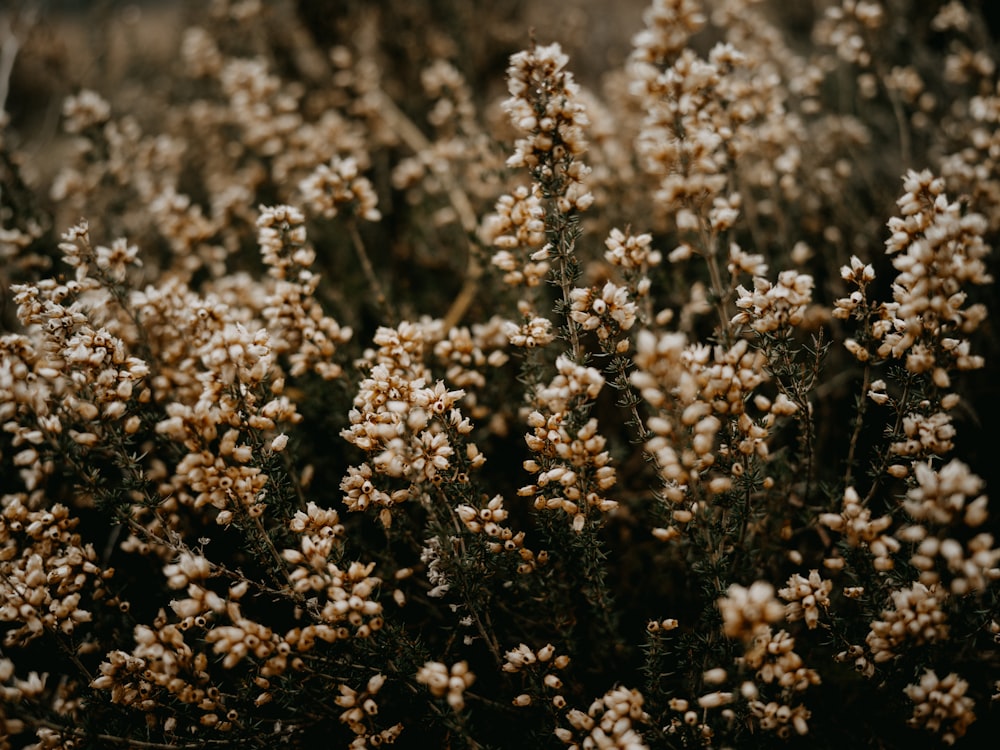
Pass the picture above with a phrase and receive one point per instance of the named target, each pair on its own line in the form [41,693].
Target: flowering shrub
[348,402]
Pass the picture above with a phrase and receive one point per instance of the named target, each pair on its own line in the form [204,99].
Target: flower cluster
[608,313]
[400,422]
[941,705]
[855,522]
[447,683]
[916,616]
[806,597]
[338,187]
[631,251]
[608,722]
[300,329]
[938,251]
[747,612]
[359,706]
[540,668]
[518,226]
[695,390]
[533,332]
[769,308]
[545,104]
[49,574]
[572,465]
[164,666]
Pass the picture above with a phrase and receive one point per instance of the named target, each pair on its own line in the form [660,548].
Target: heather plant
[356,389]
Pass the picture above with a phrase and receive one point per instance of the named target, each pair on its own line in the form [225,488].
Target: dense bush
[349,399]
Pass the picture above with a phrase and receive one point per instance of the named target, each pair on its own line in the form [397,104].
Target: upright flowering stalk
[545,106]
[339,188]
[417,447]
[777,674]
[295,320]
[72,389]
[570,460]
[679,144]
[668,25]
[610,313]
[936,541]
[776,313]
[572,466]
[401,423]
[939,253]
[708,430]
[706,124]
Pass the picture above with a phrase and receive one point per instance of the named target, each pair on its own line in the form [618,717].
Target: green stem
[710,253]
[560,235]
[884,458]
[858,423]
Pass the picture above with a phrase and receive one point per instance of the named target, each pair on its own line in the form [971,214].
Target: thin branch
[412,136]
[383,302]
[710,246]
[859,419]
[563,243]
[884,458]
[129,741]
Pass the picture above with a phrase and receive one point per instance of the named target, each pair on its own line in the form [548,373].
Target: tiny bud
[714,699]
[715,676]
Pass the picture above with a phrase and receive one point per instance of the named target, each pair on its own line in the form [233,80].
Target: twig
[412,136]
[884,462]
[560,232]
[710,246]
[129,741]
[858,423]
[485,633]
[383,302]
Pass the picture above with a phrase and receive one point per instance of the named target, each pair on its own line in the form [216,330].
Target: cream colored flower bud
[715,676]
[714,699]
[242,453]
